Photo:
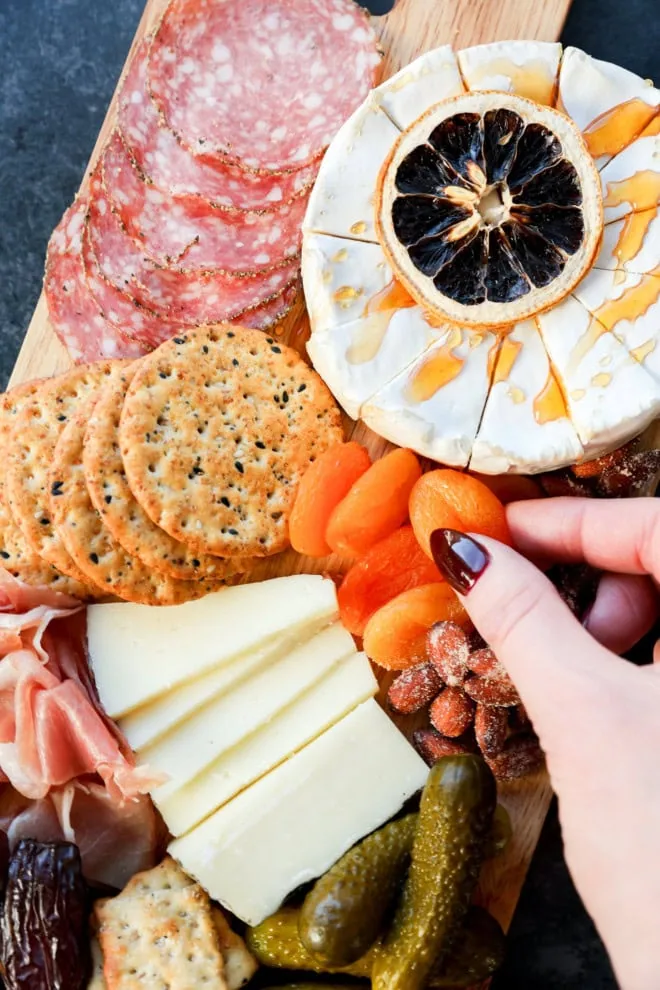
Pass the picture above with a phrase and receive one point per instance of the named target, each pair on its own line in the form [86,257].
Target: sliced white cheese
[138,652]
[435,405]
[228,719]
[526,68]
[294,823]
[356,359]
[431,78]
[629,306]
[631,181]
[607,102]
[525,426]
[344,280]
[346,686]
[632,244]
[610,396]
[342,201]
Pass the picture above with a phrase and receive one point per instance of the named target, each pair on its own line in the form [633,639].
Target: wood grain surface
[412,27]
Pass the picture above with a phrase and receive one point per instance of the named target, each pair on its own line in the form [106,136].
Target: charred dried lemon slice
[489,208]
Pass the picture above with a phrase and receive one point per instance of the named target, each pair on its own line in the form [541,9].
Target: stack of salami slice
[192,213]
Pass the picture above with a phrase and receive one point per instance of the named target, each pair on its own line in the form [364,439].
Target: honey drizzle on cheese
[652,129]
[442,367]
[506,359]
[614,130]
[589,338]
[632,304]
[630,240]
[532,80]
[642,352]
[376,318]
[641,191]
[550,404]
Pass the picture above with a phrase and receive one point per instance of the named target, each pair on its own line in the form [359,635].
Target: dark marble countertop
[59,61]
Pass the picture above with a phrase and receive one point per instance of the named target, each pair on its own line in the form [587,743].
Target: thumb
[554,662]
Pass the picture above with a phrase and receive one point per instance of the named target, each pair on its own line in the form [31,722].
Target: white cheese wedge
[357,359]
[629,306]
[294,823]
[344,280]
[228,719]
[632,244]
[631,181]
[431,78]
[435,405]
[342,201]
[607,102]
[526,68]
[138,652]
[525,426]
[610,396]
[343,688]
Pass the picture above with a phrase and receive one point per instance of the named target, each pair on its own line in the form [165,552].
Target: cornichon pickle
[344,913]
[478,952]
[44,918]
[455,818]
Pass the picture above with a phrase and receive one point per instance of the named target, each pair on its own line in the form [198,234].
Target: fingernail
[459,558]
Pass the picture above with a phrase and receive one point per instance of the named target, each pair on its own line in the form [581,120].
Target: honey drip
[376,318]
[641,190]
[346,295]
[632,304]
[630,241]
[591,336]
[550,404]
[601,380]
[653,128]
[506,359]
[533,80]
[642,352]
[358,228]
[616,128]
[442,367]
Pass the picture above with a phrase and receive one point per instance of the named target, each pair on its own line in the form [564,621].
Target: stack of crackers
[162,931]
[158,480]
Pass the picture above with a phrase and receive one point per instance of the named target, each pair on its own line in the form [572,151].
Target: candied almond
[491,728]
[521,755]
[452,712]
[431,746]
[491,691]
[414,689]
[449,652]
[633,476]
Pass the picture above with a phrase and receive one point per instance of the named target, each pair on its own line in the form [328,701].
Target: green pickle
[455,820]
[345,912]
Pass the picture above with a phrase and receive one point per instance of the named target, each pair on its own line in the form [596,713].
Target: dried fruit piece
[491,691]
[395,636]
[431,746]
[376,505]
[414,689]
[491,727]
[448,650]
[446,499]
[452,712]
[389,568]
[324,485]
[510,487]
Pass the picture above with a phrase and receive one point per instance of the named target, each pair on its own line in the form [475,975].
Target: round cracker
[91,545]
[15,554]
[32,443]
[122,514]
[218,427]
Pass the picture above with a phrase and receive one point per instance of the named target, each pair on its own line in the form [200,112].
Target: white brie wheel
[565,372]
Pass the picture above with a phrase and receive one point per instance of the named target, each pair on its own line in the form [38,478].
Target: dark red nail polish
[459,558]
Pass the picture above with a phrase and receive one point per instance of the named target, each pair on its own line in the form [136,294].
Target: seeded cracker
[15,553]
[91,545]
[160,940]
[31,446]
[217,429]
[121,513]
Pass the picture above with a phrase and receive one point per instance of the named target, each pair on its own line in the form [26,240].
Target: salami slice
[73,311]
[171,166]
[270,313]
[263,83]
[176,294]
[190,230]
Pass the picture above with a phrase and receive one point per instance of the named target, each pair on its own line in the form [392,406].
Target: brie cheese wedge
[432,77]
[526,68]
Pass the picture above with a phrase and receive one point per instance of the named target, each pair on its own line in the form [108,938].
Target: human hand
[597,716]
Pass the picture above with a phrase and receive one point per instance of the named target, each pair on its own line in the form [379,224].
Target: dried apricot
[323,486]
[376,505]
[446,499]
[511,487]
[395,636]
[392,566]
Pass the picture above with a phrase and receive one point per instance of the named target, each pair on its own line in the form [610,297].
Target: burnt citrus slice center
[489,208]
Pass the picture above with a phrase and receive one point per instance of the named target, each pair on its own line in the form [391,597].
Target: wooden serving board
[412,27]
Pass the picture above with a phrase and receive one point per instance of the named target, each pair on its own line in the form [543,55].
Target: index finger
[611,534]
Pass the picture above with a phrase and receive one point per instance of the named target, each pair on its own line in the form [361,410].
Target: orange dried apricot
[376,505]
[390,567]
[395,636]
[510,487]
[323,486]
[450,499]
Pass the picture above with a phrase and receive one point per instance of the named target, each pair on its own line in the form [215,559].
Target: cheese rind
[138,652]
[228,719]
[526,68]
[297,821]
[432,77]
[346,686]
